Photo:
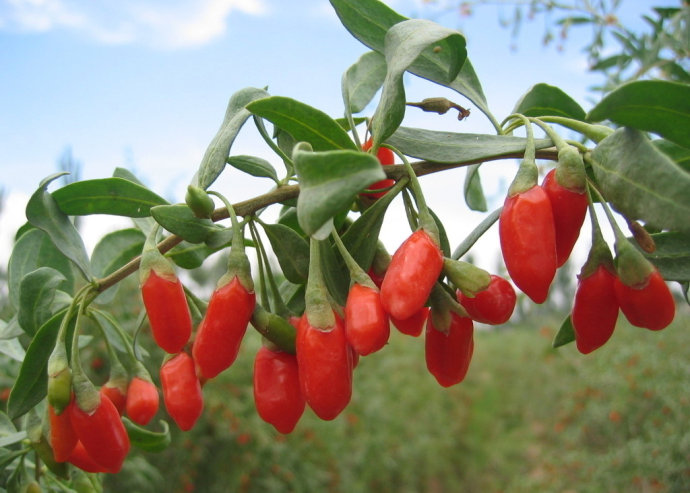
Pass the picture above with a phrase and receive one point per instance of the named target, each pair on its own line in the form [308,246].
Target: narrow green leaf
[330,181]
[473,191]
[442,235]
[291,250]
[672,255]
[43,212]
[451,147]
[32,382]
[13,349]
[657,106]
[362,80]
[335,273]
[303,122]
[565,335]
[288,217]
[361,237]
[10,329]
[115,249]
[404,43]
[680,154]
[369,21]
[641,182]
[12,438]
[109,325]
[33,250]
[36,293]
[180,220]
[145,224]
[218,150]
[545,100]
[254,166]
[112,196]
[293,294]
[147,440]
[189,255]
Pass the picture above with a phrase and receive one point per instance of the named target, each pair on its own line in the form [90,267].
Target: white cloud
[171,24]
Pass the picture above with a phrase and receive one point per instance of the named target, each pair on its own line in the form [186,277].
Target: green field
[527,418]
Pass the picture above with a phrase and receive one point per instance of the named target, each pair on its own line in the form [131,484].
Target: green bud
[468,278]
[570,172]
[59,379]
[198,200]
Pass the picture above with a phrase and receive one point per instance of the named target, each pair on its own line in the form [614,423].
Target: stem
[618,233]
[262,272]
[426,221]
[279,306]
[357,274]
[85,393]
[477,233]
[596,133]
[289,165]
[318,307]
[410,212]
[528,172]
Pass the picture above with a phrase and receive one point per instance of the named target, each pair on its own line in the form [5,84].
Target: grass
[527,418]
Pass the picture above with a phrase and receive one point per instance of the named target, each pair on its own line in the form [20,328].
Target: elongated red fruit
[413,270]
[448,355]
[385,157]
[414,325]
[325,367]
[528,242]
[83,460]
[366,322]
[115,395]
[649,305]
[595,310]
[166,307]
[569,209]
[494,305]
[102,433]
[220,333]
[142,401]
[277,393]
[182,394]
[63,438]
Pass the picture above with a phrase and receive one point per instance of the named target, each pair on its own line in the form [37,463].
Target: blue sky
[144,84]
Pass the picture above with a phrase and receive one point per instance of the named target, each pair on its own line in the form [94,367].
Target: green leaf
[473,191]
[362,80]
[442,235]
[190,256]
[293,294]
[288,217]
[404,43]
[114,332]
[335,273]
[451,147]
[10,329]
[545,100]
[672,255]
[113,196]
[31,384]
[329,182]
[113,251]
[146,440]
[180,220]
[13,349]
[657,106]
[36,293]
[43,212]
[361,237]
[565,335]
[641,182]
[291,250]
[145,224]
[303,122]
[33,250]
[12,438]
[254,166]
[218,150]
[370,20]
[680,154]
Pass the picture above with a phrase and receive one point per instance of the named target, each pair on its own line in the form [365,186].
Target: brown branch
[287,192]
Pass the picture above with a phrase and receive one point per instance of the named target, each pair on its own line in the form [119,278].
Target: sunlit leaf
[545,100]
[473,191]
[36,293]
[291,250]
[362,80]
[254,166]
[180,220]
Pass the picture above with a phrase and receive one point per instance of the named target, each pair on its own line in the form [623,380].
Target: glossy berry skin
[116,396]
[413,270]
[102,433]
[569,209]
[386,158]
[325,367]
[595,310]
[494,305]
[220,333]
[528,242]
[414,325]
[166,307]
[182,394]
[63,438]
[142,401]
[448,355]
[366,322]
[80,458]
[277,393]
[650,306]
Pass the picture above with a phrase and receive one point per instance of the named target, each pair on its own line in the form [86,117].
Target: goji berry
[220,333]
[116,396]
[366,322]
[413,270]
[649,305]
[63,438]
[386,158]
[81,458]
[182,391]
[595,309]
[168,312]
[493,305]
[142,400]
[277,393]
[448,355]
[528,241]
[413,325]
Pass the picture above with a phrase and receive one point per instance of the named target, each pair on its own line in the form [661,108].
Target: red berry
[385,157]
[650,305]
[142,400]
[494,305]
[182,391]
[448,355]
[595,310]
[413,325]
[366,323]
[168,312]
